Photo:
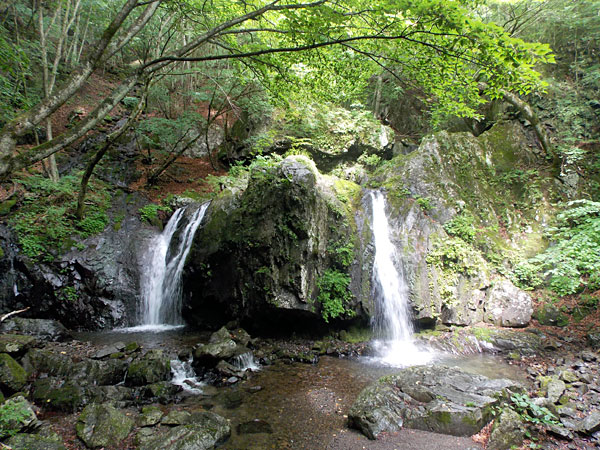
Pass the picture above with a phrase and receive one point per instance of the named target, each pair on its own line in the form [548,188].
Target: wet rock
[176,417]
[34,442]
[208,430]
[507,305]
[152,367]
[508,431]
[208,355]
[162,392]
[101,373]
[591,423]
[549,314]
[16,344]
[44,329]
[241,337]
[439,399]
[150,416]
[102,425]
[12,375]
[17,415]
[272,238]
[254,427]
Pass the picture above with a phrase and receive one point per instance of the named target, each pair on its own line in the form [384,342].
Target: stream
[296,405]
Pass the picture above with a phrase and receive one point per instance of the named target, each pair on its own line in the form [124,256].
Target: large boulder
[102,426]
[507,305]
[261,253]
[440,399]
[12,375]
[45,329]
[150,368]
[16,344]
[207,430]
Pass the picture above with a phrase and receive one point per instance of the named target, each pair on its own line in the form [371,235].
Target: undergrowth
[572,261]
[45,221]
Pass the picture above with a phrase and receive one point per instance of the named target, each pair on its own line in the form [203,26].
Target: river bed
[302,406]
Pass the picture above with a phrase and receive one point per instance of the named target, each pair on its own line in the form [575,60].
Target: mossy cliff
[285,247]
[464,209]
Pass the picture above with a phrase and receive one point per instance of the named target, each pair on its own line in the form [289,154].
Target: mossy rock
[548,314]
[16,415]
[12,375]
[153,367]
[24,441]
[6,206]
[103,426]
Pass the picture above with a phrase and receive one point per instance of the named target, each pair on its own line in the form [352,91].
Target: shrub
[572,261]
[44,221]
[333,294]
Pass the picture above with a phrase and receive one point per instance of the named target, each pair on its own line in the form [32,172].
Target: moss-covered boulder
[508,431]
[277,249]
[16,344]
[16,414]
[206,432]
[12,375]
[60,395]
[440,399]
[150,368]
[24,441]
[548,314]
[103,425]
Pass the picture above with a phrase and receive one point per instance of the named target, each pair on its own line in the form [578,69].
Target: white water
[393,326]
[246,361]
[184,376]
[161,275]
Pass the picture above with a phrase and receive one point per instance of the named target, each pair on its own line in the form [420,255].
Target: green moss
[1,253]
[443,417]
[483,334]
[7,205]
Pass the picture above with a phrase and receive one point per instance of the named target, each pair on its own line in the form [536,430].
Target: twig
[12,313]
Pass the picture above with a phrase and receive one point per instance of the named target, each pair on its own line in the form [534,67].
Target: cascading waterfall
[393,324]
[161,276]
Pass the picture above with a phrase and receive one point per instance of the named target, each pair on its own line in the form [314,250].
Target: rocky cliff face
[462,208]
[94,288]
[283,249]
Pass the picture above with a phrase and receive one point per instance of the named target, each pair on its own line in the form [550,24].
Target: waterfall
[392,323]
[161,274]
[183,375]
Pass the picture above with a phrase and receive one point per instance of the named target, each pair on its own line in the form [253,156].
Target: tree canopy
[329,48]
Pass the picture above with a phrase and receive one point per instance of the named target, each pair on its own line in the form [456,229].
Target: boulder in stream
[152,367]
[207,430]
[440,399]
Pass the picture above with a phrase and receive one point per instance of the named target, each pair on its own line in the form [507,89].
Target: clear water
[393,326]
[161,275]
